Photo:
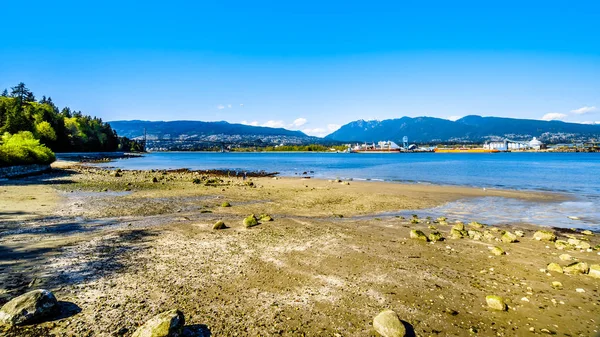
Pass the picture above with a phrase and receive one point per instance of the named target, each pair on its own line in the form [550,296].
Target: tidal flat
[121,246]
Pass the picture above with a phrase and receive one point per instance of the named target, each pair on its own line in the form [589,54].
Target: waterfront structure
[513,145]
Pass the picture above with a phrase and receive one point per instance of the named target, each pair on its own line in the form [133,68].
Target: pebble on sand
[167,324]
[496,302]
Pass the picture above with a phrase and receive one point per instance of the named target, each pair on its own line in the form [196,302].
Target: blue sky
[310,65]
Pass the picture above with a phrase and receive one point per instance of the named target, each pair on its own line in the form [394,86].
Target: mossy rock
[225,204]
[509,237]
[520,234]
[475,224]
[265,217]
[498,251]
[459,226]
[435,236]
[250,221]
[414,221]
[487,235]
[496,303]
[587,232]
[576,268]
[594,271]
[544,235]
[458,234]
[556,285]
[219,225]
[167,324]
[417,234]
[555,267]
[475,234]
[442,218]
[562,244]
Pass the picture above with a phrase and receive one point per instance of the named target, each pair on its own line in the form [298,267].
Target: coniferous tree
[5,93]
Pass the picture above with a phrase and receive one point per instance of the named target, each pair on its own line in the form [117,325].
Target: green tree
[5,93]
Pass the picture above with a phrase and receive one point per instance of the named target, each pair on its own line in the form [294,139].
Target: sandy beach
[118,247]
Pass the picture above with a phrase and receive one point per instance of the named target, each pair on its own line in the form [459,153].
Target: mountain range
[417,129]
[467,129]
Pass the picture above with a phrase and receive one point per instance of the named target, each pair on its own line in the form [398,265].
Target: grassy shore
[124,246]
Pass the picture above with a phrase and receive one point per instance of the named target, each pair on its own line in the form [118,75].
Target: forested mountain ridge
[467,129]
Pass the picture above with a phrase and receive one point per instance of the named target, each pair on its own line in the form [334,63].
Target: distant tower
[405,142]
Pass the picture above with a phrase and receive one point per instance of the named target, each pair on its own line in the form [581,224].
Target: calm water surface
[576,174]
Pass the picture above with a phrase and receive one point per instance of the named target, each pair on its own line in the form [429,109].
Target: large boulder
[388,324]
[167,324]
[29,307]
[544,236]
[577,268]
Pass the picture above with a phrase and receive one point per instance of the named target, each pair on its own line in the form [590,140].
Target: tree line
[25,120]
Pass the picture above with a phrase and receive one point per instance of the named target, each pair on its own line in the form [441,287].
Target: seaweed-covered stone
[583,245]
[225,204]
[265,217]
[457,233]
[388,324]
[555,267]
[487,235]
[594,271]
[562,244]
[442,218]
[565,257]
[574,242]
[475,234]
[520,234]
[543,235]
[459,226]
[509,237]
[498,251]
[577,268]
[435,236]
[496,302]
[29,307]
[167,324]
[219,225]
[556,285]
[587,232]
[417,234]
[475,224]
[250,221]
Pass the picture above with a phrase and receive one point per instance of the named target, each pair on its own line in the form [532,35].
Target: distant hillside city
[197,135]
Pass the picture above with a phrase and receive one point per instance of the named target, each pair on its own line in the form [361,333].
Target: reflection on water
[497,210]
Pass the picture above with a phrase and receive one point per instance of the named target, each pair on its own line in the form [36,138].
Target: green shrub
[23,149]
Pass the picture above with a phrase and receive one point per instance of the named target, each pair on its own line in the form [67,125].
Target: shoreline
[123,246]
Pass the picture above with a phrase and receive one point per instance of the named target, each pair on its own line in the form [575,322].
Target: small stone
[555,267]
[498,251]
[475,224]
[225,204]
[587,232]
[417,234]
[509,237]
[388,324]
[496,302]
[457,233]
[250,221]
[525,299]
[574,242]
[580,290]
[565,257]
[487,235]
[29,307]
[544,235]
[556,284]
[475,234]
[265,217]
[594,271]
[459,226]
[520,234]
[167,324]
[219,225]
[577,268]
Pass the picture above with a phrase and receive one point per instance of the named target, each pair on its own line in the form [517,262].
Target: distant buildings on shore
[512,145]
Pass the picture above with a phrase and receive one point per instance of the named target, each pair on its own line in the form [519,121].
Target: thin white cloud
[241,104]
[299,122]
[274,124]
[253,123]
[454,118]
[229,106]
[333,127]
[584,110]
[553,116]
[590,122]
[318,132]
[220,107]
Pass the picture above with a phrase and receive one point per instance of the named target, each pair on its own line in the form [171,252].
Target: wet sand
[120,249]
